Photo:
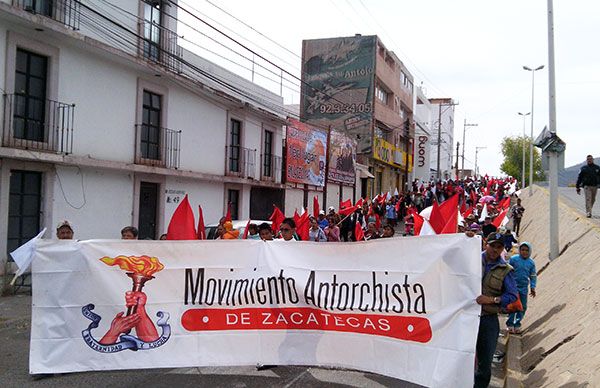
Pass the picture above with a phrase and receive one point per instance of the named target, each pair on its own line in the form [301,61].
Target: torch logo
[140,269]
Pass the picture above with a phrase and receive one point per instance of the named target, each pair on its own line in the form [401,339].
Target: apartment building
[108,122]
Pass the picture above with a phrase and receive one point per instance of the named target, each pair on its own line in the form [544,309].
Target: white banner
[401,307]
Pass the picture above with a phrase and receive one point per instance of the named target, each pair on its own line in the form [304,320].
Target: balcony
[35,124]
[157,146]
[67,12]
[270,170]
[240,162]
[159,45]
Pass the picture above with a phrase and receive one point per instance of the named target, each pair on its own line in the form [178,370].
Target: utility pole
[532,70]
[553,155]
[463,144]
[524,115]
[439,137]
[457,147]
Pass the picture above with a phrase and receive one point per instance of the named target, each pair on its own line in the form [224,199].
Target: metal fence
[36,124]
[157,146]
[67,12]
[240,162]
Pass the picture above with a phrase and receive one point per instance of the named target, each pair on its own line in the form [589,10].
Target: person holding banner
[265,232]
[498,289]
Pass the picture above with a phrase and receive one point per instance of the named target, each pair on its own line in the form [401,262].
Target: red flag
[360,202]
[499,218]
[358,232]
[376,199]
[348,210]
[451,224]
[316,207]
[346,203]
[201,229]
[303,226]
[436,218]
[449,208]
[276,219]
[182,225]
[377,221]
[398,204]
[296,217]
[505,203]
[245,235]
[473,198]
[418,223]
[228,214]
[468,212]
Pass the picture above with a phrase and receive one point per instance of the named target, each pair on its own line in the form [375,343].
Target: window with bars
[30,96]
[150,133]
[152,28]
[235,133]
[268,154]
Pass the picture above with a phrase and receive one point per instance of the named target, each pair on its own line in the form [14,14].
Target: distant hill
[569,175]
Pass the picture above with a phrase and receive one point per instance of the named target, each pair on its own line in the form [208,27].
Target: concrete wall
[561,340]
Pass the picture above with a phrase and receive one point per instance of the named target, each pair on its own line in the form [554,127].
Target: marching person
[517,214]
[315,233]
[498,290]
[64,231]
[589,178]
[129,233]
[526,278]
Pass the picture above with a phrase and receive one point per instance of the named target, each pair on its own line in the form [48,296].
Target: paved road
[569,196]
[15,317]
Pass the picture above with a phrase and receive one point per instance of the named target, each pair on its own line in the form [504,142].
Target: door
[24,207]
[262,200]
[148,208]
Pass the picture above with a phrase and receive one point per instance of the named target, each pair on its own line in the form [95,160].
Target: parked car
[239,225]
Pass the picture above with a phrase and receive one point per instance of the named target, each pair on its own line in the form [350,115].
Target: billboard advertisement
[342,157]
[306,148]
[337,87]
[422,156]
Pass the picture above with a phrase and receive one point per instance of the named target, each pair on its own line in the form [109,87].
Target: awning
[363,171]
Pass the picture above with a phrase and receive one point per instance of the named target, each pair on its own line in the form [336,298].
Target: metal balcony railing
[271,168]
[157,146]
[240,162]
[67,12]
[162,48]
[37,124]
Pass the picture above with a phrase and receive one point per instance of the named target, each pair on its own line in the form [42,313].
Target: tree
[512,150]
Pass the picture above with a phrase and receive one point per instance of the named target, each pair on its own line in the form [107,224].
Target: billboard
[306,148]
[422,156]
[342,157]
[337,87]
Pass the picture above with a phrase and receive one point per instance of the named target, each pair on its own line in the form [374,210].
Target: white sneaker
[589,215]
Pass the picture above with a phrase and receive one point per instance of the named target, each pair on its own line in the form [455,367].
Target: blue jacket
[525,272]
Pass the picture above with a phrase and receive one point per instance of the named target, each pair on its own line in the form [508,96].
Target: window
[152,28]
[150,133]
[30,96]
[233,199]
[41,7]
[24,207]
[268,154]
[235,132]
[381,95]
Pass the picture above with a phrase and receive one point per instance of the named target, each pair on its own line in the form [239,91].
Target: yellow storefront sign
[388,153]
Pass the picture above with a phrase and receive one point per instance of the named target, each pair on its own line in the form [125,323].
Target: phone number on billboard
[346,108]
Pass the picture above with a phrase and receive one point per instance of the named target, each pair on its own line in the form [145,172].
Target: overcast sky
[470,50]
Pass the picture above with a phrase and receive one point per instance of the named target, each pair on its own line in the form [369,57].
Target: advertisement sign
[342,158]
[383,151]
[306,152]
[337,85]
[422,156]
[120,304]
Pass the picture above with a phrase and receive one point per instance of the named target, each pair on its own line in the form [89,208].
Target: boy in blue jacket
[525,277]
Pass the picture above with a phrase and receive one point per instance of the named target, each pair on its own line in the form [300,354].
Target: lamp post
[532,70]
[524,115]
[476,154]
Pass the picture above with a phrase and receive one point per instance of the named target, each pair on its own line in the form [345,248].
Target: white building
[442,128]
[107,122]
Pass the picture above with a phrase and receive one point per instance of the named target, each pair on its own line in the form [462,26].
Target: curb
[513,374]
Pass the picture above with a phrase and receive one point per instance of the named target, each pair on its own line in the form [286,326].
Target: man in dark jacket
[589,178]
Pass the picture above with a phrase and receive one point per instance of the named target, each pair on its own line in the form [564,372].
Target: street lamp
[476,153]
[532,70]
[524,137]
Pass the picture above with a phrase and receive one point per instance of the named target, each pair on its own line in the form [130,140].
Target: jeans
[514,319]
[487,338]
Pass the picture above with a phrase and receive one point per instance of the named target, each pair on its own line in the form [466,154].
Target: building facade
[108,122]
[443,145]
[355,85]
